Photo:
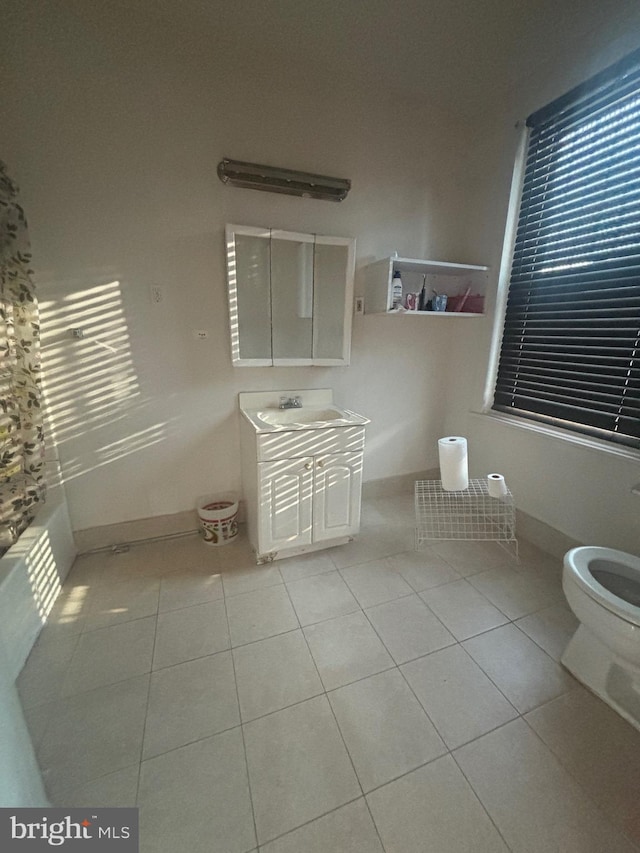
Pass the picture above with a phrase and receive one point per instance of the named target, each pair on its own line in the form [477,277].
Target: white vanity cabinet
[302,486]
[306,501]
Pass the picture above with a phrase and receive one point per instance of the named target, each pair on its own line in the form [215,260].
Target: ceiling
[469,57]
[464,54]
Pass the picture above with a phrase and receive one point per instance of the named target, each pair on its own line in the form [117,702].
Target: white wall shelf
[439,267]
[405,313]
[442,276]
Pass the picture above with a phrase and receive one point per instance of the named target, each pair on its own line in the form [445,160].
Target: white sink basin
[304,415]
[317,412]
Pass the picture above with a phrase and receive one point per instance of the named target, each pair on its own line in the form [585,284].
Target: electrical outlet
[156,293]
[359,304]
[201,334]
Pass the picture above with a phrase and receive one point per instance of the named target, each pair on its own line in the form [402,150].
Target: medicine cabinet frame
[256,303]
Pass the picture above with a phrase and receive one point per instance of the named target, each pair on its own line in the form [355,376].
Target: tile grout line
[313,820]
[344,743]
[498,688]
[190,743]
[37,747]
[57,697]
[327,692]
[585,792]
[146,713]
[241,726]
[477,796]
[97,778]
[119,624]
[78,635]
[397,666]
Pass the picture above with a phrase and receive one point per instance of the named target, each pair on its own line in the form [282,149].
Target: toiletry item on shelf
[396,291]
[439,301]
[411,301]
[471,303]
[463,300]
[422,299]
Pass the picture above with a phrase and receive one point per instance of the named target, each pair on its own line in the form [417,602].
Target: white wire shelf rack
[470,514]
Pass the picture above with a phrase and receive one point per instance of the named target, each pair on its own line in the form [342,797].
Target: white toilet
[602,586]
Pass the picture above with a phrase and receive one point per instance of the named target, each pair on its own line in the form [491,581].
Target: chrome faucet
[290,403]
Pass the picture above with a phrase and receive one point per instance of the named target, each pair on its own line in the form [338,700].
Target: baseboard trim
[543,535]
[183,523]
[538,532]
[397,485]
[109,535]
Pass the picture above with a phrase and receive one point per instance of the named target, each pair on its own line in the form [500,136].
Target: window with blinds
[571,341]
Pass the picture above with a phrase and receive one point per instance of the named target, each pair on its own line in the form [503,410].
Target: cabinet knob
[308,465]
[320,463]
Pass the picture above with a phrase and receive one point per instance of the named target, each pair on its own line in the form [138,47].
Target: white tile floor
[364,699]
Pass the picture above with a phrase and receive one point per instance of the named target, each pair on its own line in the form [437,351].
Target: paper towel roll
[496,485]
[454,467]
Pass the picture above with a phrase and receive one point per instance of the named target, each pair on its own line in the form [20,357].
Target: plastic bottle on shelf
[396,291]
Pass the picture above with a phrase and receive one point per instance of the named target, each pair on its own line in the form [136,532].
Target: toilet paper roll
[496,486]
[454,467]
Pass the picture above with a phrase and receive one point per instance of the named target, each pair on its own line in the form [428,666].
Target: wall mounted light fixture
[275,180]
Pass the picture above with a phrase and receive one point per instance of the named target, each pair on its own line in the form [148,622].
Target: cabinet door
[248,264]
[290,297]
[292,291]
[284,511]
[336,495]
[333,267]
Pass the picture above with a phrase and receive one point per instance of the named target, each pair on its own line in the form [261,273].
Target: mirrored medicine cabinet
[290,297]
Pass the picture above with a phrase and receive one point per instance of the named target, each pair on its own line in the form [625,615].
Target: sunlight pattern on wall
[90,382]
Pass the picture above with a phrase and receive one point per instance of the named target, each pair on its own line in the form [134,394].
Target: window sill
[558,434]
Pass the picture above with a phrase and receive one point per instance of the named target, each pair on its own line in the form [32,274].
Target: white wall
[581,491]
[114,118]
[115,128]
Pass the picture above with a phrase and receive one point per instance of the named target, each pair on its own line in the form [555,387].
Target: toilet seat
[578,563]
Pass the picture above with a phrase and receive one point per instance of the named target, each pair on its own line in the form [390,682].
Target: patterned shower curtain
[22,484]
